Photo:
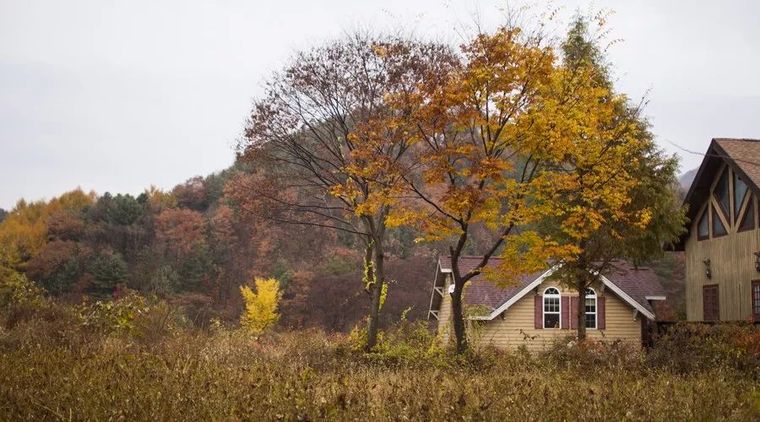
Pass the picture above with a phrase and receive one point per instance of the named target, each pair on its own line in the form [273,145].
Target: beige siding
[517,326]
[732,262]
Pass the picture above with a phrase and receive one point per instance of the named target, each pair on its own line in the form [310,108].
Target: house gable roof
[481,291]
[743,155]
[636,286]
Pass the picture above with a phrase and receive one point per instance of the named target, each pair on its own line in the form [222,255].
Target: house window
[718,228]
[710,303]
[748,222]
[590,308]
[721,192]
[740,191]
[703,229]
[756,300]
[551,308]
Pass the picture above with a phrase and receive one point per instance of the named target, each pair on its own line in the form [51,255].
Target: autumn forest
[296,283]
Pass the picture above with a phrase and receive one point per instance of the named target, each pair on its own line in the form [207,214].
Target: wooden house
[722,245]
[537,310]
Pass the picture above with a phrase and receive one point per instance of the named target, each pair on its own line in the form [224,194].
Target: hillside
[685,179]
[196,244]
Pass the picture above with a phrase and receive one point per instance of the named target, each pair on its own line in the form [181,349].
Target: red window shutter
[565,310]
[538,316]
[601,318]
[574,313]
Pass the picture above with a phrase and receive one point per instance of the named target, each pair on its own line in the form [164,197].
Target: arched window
[551,308]
[590,304]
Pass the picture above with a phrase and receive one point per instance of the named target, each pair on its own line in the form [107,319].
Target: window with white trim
[551,308]
[590,305]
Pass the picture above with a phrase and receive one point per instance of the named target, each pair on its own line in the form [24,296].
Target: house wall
[732,263]
[517,326]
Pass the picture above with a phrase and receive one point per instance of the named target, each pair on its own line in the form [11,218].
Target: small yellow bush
[260,311]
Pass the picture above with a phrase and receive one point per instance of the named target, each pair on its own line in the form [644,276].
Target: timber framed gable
[722,242]
[730,207]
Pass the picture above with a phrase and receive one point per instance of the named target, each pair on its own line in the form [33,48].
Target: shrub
[17,290]
[689,347]
[260,307]
[119,315]
[22,300]
[408,344]
[156,323]
[591,355]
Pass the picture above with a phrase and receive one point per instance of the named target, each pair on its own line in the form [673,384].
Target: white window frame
[596,308]
[558,296]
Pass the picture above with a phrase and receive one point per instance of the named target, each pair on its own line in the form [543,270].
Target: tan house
[538,310]
[722,245]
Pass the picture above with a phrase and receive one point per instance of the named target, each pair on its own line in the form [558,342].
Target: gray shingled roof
[480,291]
[638,283]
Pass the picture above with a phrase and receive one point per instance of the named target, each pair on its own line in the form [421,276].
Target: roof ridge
[738,139]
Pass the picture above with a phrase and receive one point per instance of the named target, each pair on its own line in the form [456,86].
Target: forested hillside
[195,245]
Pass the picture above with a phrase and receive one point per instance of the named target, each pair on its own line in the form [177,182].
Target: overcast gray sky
[118,95]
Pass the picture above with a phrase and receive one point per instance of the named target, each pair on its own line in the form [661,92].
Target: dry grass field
[132,363]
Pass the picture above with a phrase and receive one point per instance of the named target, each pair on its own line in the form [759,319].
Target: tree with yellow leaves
[260,311]
[615,190]
[23,232]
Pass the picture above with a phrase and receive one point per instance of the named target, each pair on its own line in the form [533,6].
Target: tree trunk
[377,291]
[368,277]
[458,316]
[581,311]
[457,312]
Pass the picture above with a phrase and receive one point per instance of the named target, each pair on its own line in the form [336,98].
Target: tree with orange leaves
[541,153]
[477,160]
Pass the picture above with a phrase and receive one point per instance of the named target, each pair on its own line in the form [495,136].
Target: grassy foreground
[137,359]
[227,375]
